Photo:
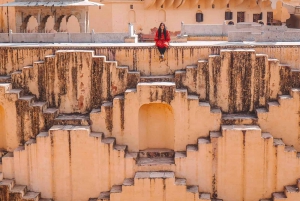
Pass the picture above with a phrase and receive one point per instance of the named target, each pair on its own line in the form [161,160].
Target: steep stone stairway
[228,119]
[291,193]
[143,181]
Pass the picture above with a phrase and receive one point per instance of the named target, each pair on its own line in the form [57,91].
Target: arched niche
[2,128]
[156,126]
[72,24]
[49,25]
[161,15]
[32,25]
[131,16]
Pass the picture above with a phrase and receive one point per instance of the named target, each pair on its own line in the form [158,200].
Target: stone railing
[241,32]
[92,37]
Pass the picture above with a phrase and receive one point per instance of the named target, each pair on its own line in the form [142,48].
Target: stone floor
[189,43]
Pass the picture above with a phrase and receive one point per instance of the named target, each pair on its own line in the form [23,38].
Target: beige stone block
[44,158]
[61,162]
[21,166]
[204,165]
[8,166]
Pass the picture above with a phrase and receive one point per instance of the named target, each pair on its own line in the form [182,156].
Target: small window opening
[199,17]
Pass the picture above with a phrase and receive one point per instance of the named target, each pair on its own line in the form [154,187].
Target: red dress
[162,42]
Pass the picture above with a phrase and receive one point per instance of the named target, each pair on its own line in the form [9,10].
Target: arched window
[73,24]
[161,15]
[228,15]
[199,16]
[49,25]
[131,16]
[32,25]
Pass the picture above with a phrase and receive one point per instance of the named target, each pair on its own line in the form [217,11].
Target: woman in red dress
[162,39]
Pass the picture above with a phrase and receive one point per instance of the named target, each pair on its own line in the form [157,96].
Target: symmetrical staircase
[68,119]
[138,187]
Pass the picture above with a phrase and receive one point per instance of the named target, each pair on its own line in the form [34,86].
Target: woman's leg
[163,51]
[160,50]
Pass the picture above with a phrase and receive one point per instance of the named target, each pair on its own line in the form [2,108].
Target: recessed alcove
[156,126]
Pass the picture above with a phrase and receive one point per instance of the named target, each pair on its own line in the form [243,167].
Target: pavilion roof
[51,3]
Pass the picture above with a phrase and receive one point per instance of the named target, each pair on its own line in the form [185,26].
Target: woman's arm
[156,37]
[168,37]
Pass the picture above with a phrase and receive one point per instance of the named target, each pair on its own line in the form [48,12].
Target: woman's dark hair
[159,31]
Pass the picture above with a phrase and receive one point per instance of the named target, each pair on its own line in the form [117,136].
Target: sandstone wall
[76,124]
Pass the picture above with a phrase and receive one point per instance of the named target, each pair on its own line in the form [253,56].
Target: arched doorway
[131,16]
[2,129]
[162,16]
[73,24]
[32,25]
[49,25]
[156,126]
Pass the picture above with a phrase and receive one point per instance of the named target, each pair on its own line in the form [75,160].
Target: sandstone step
[155,84]
[278,196]
[278,142]
[155,161]
[116,189]
[289,149]
[133,155]
[41,105]
[152,175]
[6,87]
[158,78]
[104,196]
[180,182]
[261,110]
[45,199]
[51,111]
[15,92]
[215,134]
[128,182]
[192,189]
[291,189]
[204,196]
[180,154]
[266,135]
[268,199]
[203,140]
[17,192]
[272,104]
[8,183]
[109,140]
[5,79]
[32,196]
[27,99]
[72,119]
[191,147]
[239,119]
[152,153]
[97,134]
[240,127]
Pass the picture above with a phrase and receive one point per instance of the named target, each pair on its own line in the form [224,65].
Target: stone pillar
[87,20]
[82,22]
[19,20]
[38,19]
